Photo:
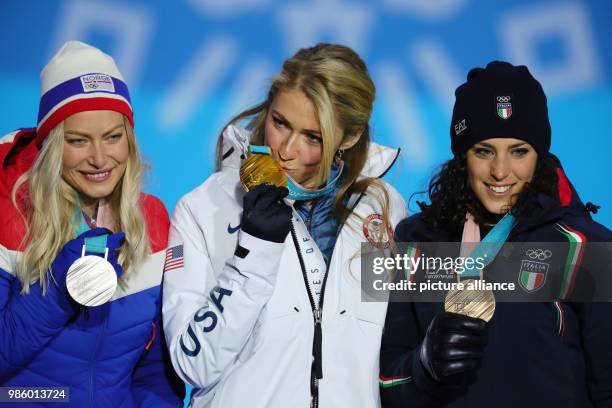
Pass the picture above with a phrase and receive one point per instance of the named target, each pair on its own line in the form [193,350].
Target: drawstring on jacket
[592,208]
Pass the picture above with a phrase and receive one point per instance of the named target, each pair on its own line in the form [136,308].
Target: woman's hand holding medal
[265,214]
[453,346]
[94,279]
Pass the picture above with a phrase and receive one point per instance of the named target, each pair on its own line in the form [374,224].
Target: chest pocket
[278,318]
[354,312]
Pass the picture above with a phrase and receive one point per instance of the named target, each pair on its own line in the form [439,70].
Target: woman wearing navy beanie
[502,182]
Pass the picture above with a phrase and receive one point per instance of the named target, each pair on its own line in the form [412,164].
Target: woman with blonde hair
[265,309]
[82,249]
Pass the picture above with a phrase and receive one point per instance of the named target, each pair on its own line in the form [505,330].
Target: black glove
[265,215]
[453,346]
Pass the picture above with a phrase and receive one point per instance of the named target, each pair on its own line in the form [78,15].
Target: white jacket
[240,326]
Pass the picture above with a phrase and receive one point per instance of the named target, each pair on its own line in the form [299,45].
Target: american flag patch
[174,258]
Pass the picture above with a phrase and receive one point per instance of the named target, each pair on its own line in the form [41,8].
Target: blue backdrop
[192,64]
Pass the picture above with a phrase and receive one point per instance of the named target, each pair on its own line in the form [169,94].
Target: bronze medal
[479,303]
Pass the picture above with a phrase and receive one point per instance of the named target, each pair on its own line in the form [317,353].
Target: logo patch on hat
[97,83]
[460,127]
[504,106]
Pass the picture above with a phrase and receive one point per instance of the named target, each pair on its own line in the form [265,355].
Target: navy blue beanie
[501,100]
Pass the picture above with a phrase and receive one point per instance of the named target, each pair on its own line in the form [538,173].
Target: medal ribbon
[314,262]
[96,244]
[490,246]
[91,280]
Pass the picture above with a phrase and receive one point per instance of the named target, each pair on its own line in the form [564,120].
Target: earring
[339,154]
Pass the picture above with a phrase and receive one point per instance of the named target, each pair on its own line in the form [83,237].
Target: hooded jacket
[107,356]
[541,354]
[239,316]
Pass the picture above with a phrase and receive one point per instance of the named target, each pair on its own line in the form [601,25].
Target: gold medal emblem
[478,303]
[259,169]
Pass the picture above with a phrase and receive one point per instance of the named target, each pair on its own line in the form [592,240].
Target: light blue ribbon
[489,247]
[260,149]
[96,244]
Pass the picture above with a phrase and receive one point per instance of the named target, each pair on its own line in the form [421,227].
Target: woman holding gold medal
[81,248]
[266,310]
[504,186]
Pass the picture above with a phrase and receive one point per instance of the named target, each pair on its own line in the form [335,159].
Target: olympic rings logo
[538,254]
[503,99]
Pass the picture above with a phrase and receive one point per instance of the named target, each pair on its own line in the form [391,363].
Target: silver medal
[91,280]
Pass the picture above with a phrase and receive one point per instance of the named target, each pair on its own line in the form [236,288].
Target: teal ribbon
[490,246]
[260,149]
[96,244]
[296,191]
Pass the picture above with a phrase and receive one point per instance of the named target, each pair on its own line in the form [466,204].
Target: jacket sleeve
[596,327]
[28,321]
[154,382]
[595,320]
[594,281]
[404,382]
[403,379]
[209,319]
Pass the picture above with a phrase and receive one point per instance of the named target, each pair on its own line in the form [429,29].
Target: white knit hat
[80,78]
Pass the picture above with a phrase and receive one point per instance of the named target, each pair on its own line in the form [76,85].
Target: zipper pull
[317,316]
[317,345]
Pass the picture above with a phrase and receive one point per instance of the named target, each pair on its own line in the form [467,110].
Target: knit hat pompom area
[500,101]
[80,78]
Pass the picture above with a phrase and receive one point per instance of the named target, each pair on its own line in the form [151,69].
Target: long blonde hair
[48,211]
[337,82]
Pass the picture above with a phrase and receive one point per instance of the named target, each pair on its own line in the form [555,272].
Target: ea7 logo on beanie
[460,127]
[97,83]
[504,106]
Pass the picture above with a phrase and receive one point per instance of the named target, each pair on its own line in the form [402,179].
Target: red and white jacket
[110,355]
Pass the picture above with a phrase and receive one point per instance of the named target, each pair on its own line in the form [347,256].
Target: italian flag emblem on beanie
[504,106]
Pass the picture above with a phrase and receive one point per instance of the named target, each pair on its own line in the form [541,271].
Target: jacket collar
[380,160]
[548,210]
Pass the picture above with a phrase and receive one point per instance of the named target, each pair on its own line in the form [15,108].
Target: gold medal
[259,169]
[478,303]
